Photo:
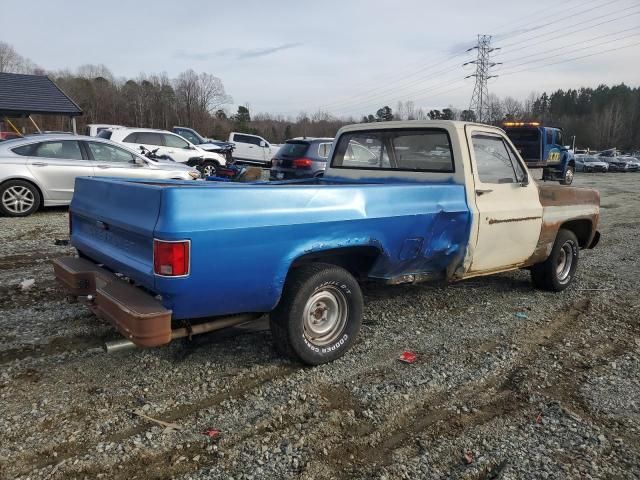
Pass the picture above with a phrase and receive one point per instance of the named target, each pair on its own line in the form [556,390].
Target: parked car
[590,163]
[93,129]
[208,144]
[297,249]
[301,158]
[620,164]
[168,144]
[40,171]
[252,149]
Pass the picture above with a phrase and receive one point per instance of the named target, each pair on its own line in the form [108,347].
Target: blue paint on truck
[245,237]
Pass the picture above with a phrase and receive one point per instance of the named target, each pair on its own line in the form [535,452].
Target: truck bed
[244,237]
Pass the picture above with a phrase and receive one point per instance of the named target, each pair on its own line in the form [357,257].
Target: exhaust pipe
[218,324]
[118,345]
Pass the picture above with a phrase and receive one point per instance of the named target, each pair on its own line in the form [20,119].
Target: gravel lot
[509,382]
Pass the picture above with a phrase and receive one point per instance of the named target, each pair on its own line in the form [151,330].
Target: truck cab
[543,147]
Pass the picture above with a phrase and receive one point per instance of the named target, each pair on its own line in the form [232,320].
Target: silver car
[40,170]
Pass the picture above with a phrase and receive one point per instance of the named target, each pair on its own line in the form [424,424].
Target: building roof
[38,94]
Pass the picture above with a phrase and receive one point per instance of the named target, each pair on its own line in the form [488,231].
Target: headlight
[194,174]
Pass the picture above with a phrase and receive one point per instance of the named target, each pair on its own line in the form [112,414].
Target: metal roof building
[24,95]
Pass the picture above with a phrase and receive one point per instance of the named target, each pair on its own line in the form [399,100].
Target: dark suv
[301,158]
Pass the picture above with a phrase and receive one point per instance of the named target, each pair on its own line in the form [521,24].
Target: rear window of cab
[414,150]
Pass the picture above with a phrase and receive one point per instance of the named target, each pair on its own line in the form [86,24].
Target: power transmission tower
[480,98]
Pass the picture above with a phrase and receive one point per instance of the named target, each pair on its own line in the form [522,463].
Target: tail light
[302,163]
[171,259]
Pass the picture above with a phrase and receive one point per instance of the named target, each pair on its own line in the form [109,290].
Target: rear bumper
[136,314]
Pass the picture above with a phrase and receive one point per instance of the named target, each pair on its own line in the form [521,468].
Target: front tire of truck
[319,315]
[567,179]
[557,272]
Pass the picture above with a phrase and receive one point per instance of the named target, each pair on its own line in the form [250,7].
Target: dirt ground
[509,382]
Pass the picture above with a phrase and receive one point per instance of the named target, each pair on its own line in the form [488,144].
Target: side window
[24,149]
[131,138]
[492,160]
[64,149]
[149,138]
[103,152]
[241,138]
[549,137]
[189,136]
[559,140]
[324,149]
[174,141]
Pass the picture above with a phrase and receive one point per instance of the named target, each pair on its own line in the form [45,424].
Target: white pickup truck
[252,149]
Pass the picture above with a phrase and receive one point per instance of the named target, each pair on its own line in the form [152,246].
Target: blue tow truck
[400,202]
[543,147]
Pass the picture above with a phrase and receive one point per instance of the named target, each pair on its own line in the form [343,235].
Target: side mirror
[525,180]
[263,143]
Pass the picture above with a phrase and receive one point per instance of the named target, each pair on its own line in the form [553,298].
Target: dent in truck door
[509,214]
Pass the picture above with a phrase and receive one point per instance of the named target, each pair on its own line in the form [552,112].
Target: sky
[345,57]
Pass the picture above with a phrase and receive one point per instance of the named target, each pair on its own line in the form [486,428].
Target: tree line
[599,117]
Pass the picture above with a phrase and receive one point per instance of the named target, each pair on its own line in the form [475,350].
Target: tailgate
[112,223]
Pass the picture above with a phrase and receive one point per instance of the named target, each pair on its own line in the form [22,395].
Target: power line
[570,59]
[565,33]
[565,52]
[559,19]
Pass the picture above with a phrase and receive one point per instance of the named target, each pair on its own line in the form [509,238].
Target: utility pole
[480,98]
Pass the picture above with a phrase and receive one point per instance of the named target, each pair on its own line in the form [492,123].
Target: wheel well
[357,260]
[581,229]
[30,182]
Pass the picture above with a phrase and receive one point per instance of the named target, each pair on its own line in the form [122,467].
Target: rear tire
[319,314]
[19,198]
[557,272]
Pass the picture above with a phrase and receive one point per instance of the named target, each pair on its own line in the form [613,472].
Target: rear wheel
[18,198]
[557,272]
[319,315]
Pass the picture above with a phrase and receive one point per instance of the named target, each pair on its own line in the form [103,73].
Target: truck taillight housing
[302,163]
[171,258]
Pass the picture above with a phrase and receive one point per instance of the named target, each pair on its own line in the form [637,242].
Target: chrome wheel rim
[325,316]
[18,199]
[208,171]
[569,175]
[565,261]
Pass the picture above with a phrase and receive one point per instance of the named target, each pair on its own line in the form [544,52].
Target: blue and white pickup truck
[399,202]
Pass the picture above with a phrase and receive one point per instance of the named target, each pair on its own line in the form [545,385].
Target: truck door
[507,203]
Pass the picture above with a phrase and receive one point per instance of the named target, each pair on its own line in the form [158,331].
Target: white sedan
[40,170]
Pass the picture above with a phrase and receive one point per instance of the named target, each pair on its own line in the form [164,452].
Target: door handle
[481,191]
[40,164]
[104,166]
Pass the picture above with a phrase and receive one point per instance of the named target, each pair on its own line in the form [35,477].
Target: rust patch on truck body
[554,198]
